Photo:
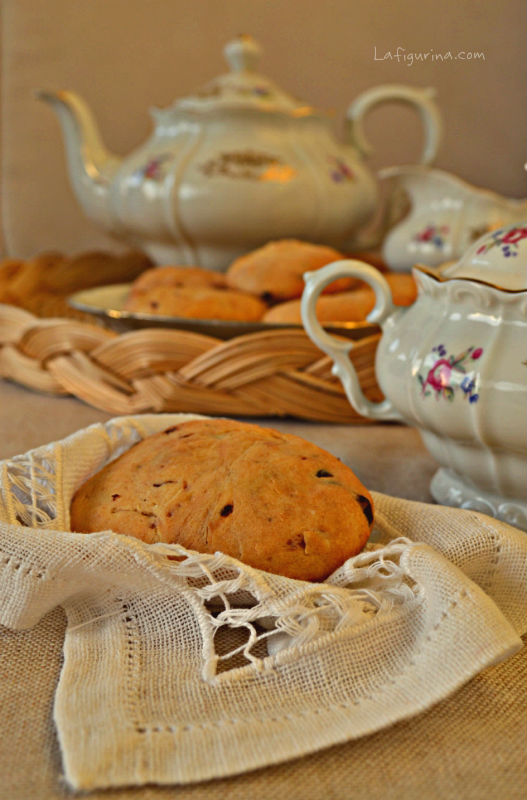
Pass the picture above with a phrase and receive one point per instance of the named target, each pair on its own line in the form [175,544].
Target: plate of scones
[259,291]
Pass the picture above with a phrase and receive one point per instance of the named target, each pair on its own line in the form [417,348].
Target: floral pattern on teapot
[441,378]
[340,171]
[152,170]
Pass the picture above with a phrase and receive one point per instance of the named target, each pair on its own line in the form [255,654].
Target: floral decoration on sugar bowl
[444,379]
[507,239]
[432,235]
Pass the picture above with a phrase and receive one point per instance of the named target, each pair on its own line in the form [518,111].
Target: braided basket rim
[279,372]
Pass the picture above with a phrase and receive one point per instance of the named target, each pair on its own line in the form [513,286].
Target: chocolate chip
[267,297]
[171,430]
[115,496]
[226,510]
[157,485]
[366,507]
[323,473]
[296,541]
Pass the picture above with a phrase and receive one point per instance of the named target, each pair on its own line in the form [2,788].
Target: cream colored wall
[126,55]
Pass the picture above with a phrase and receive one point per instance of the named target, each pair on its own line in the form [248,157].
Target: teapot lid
[243,86]
[498,258]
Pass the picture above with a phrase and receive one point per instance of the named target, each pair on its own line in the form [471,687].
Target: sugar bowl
[453,365]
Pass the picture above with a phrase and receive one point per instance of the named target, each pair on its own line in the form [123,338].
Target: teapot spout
[91,166]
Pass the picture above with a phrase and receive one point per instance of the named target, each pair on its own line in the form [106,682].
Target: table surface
[469,746]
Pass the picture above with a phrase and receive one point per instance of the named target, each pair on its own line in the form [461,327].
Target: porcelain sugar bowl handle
[338,349]
[420,99]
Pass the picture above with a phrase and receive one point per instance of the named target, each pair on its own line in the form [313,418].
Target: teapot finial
[243,53]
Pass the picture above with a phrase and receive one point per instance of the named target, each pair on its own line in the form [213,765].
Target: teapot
[453,365]
[446,215]
[237,164]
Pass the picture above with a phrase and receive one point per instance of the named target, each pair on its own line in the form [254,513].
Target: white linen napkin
[180,671]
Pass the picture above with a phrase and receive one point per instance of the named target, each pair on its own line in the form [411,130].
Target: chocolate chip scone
[196,302]
[353,306]
[342,307]
[271,500]
[275,271]
[172,275]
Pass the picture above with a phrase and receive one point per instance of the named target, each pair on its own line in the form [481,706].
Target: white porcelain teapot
[233,166]
[454,365]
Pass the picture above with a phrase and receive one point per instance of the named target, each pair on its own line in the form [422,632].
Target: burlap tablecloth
[471,745]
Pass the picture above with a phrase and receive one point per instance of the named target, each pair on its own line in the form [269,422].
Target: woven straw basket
[270,373]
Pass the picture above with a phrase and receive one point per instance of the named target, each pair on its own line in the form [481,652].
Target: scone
[274,272]
[197,302]
[353,306]
[177,276]
[271,500]
[403,287]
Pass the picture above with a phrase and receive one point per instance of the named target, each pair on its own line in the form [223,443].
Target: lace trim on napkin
[31,485]
[240,600]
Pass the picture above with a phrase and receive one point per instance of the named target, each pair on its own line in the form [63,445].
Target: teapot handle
[421,99]
[338,349]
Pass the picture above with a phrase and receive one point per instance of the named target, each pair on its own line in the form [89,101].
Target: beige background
[126,55]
